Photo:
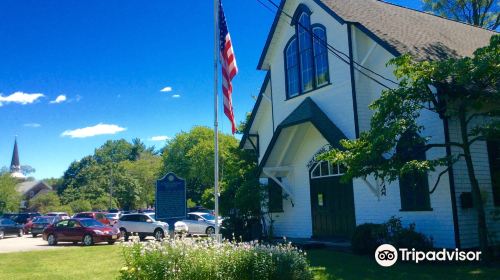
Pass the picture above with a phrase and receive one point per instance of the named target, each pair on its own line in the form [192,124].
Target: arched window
[324,169]
[320,55]
[292,68]
[413,186]
[309,68]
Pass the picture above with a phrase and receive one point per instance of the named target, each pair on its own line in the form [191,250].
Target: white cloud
[176,96]
[166,89]
[99,129]
[160,138]
[20,98]
[61,98]
[33,125]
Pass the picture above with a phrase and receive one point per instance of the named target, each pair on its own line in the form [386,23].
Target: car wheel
[111,242]
[210,230]
[87,240]
[34,235]
[20,233]
[159,235]
[124,233]
[52,240]
[1,234]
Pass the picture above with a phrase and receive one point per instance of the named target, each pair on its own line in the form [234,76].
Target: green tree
[55,183]
[483,13]
[97,180]
[9,197]
[146,170]
[114,151]
[70,175]
[467,90]
[191,156]
[80,205]
[44,203]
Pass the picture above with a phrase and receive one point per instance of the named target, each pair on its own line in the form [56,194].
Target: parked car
[142,224]
[113,217]
[61,215]
[85,230]
[197,223]
[10,227]
[41,223]
[21,218]
[200,209]
[27,226]
[100,216]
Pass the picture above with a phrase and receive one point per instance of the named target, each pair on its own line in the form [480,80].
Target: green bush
[409,238]
[367,237]
[205,259]
[241,228]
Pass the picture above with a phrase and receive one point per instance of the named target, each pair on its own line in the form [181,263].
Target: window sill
[306,92]
[417,210]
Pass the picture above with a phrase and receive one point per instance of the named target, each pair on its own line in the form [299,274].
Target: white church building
[312,98]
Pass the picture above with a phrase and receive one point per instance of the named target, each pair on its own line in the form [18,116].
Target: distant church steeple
[15,166]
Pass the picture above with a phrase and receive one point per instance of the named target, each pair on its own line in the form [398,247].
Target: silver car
[197,223]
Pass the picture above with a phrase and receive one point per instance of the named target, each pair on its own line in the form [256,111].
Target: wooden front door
[332,207]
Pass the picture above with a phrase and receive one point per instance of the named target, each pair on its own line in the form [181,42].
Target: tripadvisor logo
[387,255]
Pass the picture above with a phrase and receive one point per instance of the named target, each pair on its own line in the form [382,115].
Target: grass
[97,262]
[104,262]
[335,265]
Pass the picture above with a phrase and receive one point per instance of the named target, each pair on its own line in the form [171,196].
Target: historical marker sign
[170,202]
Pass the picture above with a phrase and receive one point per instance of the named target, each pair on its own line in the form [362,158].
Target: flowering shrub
[205,259]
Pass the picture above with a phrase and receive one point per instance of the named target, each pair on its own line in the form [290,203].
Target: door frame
[310,170]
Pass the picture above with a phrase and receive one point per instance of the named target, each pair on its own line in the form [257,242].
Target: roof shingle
[423,35]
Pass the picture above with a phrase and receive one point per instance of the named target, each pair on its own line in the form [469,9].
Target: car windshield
[152,216]
[91,223]
[84,215]
[52,214]
[208,217]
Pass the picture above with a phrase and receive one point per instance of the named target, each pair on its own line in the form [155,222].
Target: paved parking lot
[28,243]
[21,244]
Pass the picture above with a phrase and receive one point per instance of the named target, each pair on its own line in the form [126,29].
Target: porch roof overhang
[307,111]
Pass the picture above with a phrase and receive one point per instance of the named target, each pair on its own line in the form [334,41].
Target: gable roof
[307,111]
[402,30]
[26,186]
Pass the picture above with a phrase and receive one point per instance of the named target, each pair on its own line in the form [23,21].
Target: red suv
[100,216]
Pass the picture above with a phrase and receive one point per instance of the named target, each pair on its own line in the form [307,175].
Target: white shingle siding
[467,218]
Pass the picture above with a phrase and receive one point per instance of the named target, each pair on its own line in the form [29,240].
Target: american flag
[229,68]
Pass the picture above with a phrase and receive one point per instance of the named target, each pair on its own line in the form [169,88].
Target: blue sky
[106,62]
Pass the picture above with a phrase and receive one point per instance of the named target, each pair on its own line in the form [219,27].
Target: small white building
[311,98]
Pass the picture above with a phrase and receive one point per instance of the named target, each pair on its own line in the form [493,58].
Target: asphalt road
[10,244]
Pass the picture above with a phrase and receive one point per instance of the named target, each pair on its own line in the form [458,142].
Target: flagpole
[216,118]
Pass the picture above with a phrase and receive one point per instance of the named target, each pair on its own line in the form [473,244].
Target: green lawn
[97,262]
[104,262]
[334,265]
